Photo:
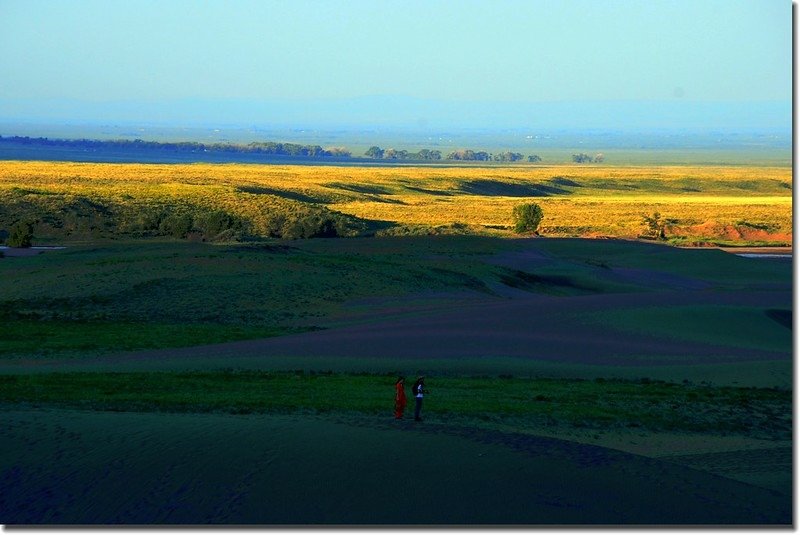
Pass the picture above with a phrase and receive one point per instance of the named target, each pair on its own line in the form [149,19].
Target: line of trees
[266,147]
[294,150]
[378,153]
[585,158]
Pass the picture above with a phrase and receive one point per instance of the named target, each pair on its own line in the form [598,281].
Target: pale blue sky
[501,51]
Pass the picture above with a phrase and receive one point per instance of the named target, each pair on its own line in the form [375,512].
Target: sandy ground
[527,326]
[28,251]
[82,467]
[68,467]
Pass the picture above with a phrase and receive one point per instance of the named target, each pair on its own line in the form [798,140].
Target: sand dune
[71,467]
[528,326]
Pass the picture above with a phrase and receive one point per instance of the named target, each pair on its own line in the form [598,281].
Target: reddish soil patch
[711,229]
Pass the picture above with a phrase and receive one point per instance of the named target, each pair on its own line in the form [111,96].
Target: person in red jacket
[399,397]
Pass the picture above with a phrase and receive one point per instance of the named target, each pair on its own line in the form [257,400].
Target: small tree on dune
[656,227]
[21,234]
[527,218]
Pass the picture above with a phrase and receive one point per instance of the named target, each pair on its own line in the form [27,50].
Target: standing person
[418,391]
[399,397]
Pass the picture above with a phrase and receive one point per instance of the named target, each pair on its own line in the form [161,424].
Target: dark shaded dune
[360,188]
[529,326]
[781,317]
[564,181]
[286,194]
[74,467]
[437,193]
[653,279]
[507,189]
[767,468]
[544,283]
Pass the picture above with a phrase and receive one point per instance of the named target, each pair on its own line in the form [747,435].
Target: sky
[71,58]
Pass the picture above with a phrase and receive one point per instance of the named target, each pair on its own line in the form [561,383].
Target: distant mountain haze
[409,113]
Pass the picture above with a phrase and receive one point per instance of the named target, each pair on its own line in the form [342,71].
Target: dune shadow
[293,195]
[497,188]
[781,317]
[564,181]
[532,282]
[360,188]
[429,191]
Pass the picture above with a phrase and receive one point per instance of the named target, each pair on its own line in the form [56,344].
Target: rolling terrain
[660,375]
[699,205]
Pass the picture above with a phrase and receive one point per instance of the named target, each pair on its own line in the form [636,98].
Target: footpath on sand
[82,467]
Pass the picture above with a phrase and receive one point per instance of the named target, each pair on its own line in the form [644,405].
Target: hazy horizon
[534,64]
[405,113]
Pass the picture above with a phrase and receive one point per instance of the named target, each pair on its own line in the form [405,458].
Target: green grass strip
[522,403]
[65,338]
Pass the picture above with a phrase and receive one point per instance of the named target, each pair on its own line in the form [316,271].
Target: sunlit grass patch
[102,200]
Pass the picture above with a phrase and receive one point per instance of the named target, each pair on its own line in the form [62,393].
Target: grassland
[615,345]
[521,403]
[700,204]
[66,309]
[87,300]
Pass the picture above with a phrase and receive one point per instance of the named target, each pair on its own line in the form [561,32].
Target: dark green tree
[176,225]
[527,218]
[507,156]
[533,158]
[374,152]
[339,152]
[656,227]
[218,225]
[21,234]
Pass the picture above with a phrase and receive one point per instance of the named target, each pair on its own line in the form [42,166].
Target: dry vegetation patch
[699,204]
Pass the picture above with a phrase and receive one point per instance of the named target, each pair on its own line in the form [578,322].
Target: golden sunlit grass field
[700,204]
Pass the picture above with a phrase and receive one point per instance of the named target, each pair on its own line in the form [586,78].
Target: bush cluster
[60,216]
[21,234]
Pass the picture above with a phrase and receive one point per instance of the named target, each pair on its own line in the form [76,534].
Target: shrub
[142,221]
[656,227]
[307,226]
[218,225]
[21,234]
[527,218]
[176,225]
